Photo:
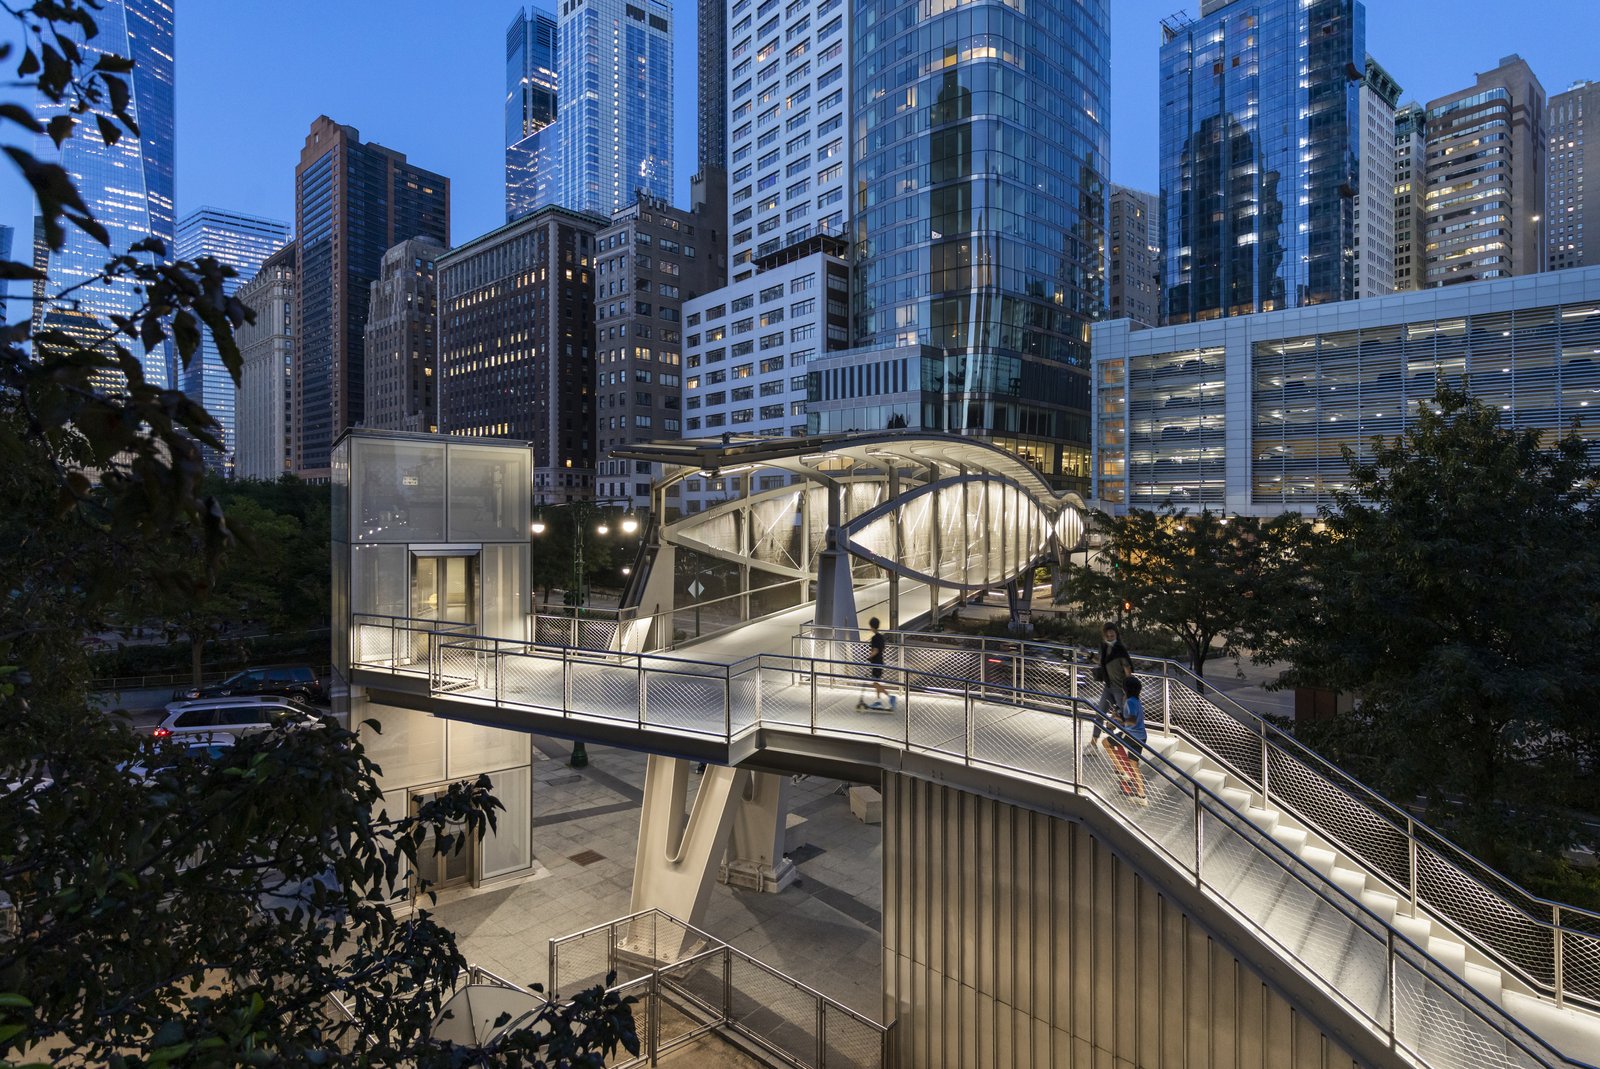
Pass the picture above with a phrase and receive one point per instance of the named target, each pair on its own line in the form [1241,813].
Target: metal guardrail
[689,983]
[607,628]
[1552,947]
[1365,963]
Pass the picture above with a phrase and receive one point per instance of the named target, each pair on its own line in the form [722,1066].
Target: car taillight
[162,733]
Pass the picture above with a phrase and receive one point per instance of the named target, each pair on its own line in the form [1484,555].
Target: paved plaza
[823,931]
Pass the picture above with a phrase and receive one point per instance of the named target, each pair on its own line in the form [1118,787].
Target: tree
[166,910]
[1202,578]
[1457,597]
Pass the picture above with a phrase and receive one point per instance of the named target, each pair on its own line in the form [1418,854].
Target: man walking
[875,649]
[1112,670]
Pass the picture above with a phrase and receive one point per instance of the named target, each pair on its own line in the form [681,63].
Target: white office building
[1374,215]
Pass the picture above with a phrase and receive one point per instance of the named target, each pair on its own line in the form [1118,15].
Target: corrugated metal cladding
[1016,940]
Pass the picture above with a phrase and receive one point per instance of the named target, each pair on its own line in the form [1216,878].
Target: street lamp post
[577,595]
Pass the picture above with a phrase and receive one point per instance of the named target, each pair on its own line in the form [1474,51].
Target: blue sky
[427,78]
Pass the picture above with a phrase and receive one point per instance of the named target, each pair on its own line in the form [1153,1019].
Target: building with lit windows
[1410,196]
[1486,185]
[1573,132]
[242,242]
[266,351]
[1374,208]
[1134,287]
[402,340]
[614,64]
[354,201]
[1260,155]
[517,340]
[127,187]
[532,151]
[1251,415]
[711,66]
[650,261]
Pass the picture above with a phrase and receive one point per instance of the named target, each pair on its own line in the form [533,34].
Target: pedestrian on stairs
[1127,741]
[875,649]
[1112,670]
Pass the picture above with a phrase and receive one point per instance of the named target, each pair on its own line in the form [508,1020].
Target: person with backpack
[875,649]
[1113,669]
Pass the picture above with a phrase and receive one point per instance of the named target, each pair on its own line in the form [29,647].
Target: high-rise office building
[712,68]
[128,187]
[6,234]
[1573,130]
[1260,155]
[1374,209]
[402,372]
[243,242]
[1486,160]
[516,344]
[353,202]
[980,173]
[532,151]
[266,349]
[614,65]
[1134,287]
[1410,196]
[648,263]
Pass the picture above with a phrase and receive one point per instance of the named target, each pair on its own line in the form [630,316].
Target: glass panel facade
[1260,156]
[397,492]
[1177,446]
[476,748]
[981,162]
[510,848]
[489,494]
[409,750]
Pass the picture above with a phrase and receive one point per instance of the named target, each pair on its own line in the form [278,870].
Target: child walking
[1126,745]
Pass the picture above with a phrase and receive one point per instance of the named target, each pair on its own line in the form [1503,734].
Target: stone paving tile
[824,931]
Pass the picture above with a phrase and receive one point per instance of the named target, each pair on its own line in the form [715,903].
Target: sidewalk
[824,930]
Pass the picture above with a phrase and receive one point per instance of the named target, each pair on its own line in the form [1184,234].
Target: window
[798,189]
[799,211]
[798,50]
[834,51]
[803,283]
[803,308]
[741,195]
[827,175]
[797,28]
[799,96]
[744,326]
[799,74]
[830,29]
[742,173]
[832,100]
[769,160]
[768,115]
[771,411]
[832,196]
[667,291]
[716,334]
[741,153]
[797,167]
[767,182]
[716,311]
[743,393]
[742,216]
[771,341]
[771,363]
[803,333]
[797,121]
[766,226]
[773,387]
[830,150]
[741,303]
[799,357]
[829,125]
[797,383]
[772,316]
[797,143]
[744,348]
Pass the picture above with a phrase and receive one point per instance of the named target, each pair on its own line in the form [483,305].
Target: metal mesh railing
[688,983]
[1016,733]
[1420,865]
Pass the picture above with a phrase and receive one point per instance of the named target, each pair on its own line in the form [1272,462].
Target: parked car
[196,747]
[207,718]
[283,680]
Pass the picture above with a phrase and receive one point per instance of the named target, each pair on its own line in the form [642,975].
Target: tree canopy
[161,908]
[1457,595]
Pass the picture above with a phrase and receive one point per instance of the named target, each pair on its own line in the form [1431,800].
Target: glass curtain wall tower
[1260,156]
[243,242]
[531,95]
[615,73]
[980,144]
[127,186]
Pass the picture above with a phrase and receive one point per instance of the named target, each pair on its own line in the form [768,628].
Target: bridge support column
[755,860]
[836,595]
[679,850]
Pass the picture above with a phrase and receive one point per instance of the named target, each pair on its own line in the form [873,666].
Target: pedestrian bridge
[1035,912]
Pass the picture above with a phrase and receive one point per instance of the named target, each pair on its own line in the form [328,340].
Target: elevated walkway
[1400,972]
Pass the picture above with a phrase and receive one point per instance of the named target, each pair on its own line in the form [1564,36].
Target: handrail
[1208,807]
[708,949]
[1483,930]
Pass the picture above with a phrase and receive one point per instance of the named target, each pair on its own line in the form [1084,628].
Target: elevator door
[445,589]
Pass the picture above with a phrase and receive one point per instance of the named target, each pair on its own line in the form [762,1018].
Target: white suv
[206,718]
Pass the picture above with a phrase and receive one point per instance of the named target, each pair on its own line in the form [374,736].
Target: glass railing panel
[679,696]
[769,1008]
[531,678]
[603,690]
[1434,1024]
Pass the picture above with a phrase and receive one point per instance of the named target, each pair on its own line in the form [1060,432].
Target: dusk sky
[427,78]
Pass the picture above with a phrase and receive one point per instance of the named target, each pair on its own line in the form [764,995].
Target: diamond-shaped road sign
[696,589]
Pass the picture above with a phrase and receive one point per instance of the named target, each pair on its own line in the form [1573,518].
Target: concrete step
[1188,762]
[1448,952]
[1417,929]
[1164,744]
[1321,860]
[1352,881]
[1488,981]
[1265,819]
[1293,838]
[1384,905]
[1573,1032]
[1211,779]
[1237,798]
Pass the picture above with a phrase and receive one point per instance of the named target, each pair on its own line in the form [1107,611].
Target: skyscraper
[1570,212]
[402,339]
[1485,200]
[532,153]
[243,242]
[614,61]
[1374,213]
[1135,257]
[6,234]
[712,68]
[266,348]
[353,202]
[127,186]
[516,344]
[981,170]
[1410,196]
[1260,151]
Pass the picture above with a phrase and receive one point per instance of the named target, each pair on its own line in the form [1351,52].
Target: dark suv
[287,681]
